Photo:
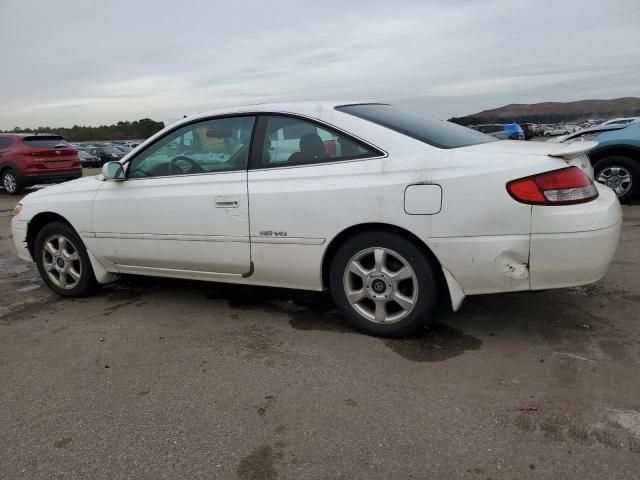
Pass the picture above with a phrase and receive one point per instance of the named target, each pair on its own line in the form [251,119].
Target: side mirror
[113,171]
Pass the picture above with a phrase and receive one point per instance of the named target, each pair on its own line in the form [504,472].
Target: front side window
[292,141]
[218,145]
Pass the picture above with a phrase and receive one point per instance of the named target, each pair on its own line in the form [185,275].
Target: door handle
[226,202]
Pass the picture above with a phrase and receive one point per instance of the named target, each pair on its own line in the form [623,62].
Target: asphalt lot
[175,379]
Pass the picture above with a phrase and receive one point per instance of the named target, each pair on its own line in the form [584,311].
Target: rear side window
[429,130]
[41,141]
[292,141]
[5,142]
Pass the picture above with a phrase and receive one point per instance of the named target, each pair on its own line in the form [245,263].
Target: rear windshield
[435,132]
[44,142]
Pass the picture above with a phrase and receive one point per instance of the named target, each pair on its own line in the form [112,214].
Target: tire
[11,182]
[367,300]
[621,174]
[64,261]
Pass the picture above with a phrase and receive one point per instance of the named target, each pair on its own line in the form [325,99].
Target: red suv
[27,159]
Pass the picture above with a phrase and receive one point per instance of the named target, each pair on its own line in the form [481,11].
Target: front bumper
[19,232]
[574,245]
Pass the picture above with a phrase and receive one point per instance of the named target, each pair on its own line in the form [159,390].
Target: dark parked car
[530,130]
[89,160]
[34,159]
[106,154]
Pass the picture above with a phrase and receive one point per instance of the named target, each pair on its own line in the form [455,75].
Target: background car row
[526,131]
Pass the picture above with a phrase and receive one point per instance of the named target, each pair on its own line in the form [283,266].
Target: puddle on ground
[307,310]
[436,343]
[316,311]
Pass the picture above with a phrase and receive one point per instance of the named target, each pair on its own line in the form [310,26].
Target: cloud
[122,60]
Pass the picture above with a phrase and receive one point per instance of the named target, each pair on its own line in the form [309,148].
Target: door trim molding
[179,237]
[288,240]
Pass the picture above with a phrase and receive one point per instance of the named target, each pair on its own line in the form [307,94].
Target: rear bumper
[570,245]
[571,259]
[574,245]
[57,177]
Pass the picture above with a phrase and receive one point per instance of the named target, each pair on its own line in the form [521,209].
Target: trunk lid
[574,153]
[50,151]
[560,150]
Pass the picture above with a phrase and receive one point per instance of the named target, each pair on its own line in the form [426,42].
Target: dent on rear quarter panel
[486,264]
[513,265]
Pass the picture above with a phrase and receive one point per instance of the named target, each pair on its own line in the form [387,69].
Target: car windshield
[429,130]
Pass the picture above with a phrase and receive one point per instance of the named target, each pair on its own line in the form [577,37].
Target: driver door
[183,205]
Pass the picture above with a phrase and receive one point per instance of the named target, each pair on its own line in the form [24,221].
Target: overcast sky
[91,62]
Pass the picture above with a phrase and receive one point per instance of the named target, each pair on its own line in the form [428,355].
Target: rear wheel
[63,262]
[619,173]
[11,182]
[384,284]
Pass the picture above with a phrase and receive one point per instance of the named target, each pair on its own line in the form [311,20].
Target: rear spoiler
[573,149]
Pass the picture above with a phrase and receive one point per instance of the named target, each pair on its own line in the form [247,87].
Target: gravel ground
[175,379]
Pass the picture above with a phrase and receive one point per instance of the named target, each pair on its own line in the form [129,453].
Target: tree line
[138,129]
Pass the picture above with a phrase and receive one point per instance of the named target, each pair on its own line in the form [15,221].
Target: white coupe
[389,210]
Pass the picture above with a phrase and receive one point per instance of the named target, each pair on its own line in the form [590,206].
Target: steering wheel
[174,169]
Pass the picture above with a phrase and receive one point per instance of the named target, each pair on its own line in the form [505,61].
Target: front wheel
[619,173]
[63,262]
[384,284]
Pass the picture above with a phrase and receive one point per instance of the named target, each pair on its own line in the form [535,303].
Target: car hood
[83,184]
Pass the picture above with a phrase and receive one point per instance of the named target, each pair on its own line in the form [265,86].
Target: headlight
[17,209]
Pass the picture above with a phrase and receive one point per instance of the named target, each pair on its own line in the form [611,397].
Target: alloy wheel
[61,261]
[617,179]
[9,182]
[380,285]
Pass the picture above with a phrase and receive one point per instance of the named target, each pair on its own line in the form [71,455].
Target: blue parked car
[616,159]
[514,131]
[510,131]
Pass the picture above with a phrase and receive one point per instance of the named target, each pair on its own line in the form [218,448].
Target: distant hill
[555,112]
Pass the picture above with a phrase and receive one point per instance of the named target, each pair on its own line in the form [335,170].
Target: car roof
[306,108]
[623,118]
[598,129]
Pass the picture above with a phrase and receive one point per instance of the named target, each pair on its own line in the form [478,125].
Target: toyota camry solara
[389,210]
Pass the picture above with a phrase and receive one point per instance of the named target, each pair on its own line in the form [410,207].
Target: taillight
[559,187]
